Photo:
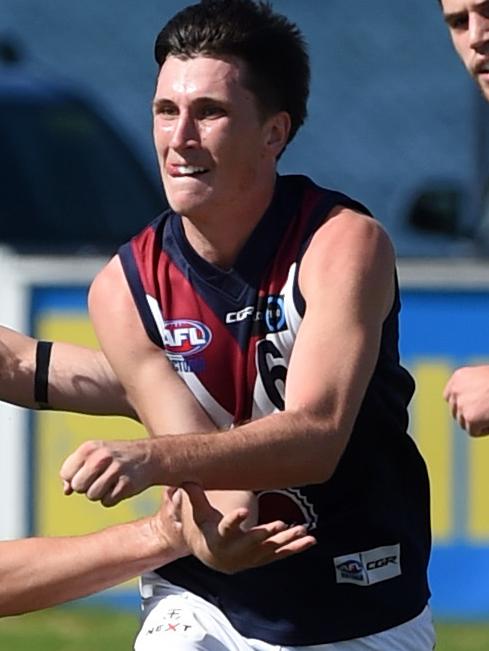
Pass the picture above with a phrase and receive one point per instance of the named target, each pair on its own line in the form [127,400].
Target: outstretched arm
[467,393]
[79,379]
[37,573]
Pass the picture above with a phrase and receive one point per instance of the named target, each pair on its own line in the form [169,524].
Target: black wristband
[41,375]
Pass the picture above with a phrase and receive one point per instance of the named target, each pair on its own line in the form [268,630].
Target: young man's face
[468,22]
[210,139]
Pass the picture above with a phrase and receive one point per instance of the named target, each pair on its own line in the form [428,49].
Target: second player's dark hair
[271,46]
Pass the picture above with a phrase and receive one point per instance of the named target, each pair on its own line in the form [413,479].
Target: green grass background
[78,628]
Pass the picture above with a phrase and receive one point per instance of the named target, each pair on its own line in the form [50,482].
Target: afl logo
[185,337]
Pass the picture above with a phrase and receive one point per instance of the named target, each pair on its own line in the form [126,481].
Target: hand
[467,393]
[109,471]
[221,543]
[167,525]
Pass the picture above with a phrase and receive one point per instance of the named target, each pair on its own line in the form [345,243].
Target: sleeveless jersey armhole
[139,295]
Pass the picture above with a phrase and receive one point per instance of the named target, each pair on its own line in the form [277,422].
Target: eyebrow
[448,18]
[158,103]
[165,101]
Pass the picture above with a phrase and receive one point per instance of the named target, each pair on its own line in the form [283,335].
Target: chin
[190,207]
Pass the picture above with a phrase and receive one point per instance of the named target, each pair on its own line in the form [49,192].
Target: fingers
[202,510]
[91,469]
[447,391]
[112,492]
[231,524]
[267,537]
[264,548]
[467,394]
[173,496]
[77,473]
[67,490]
[286,536]
[297,546]
[172,503]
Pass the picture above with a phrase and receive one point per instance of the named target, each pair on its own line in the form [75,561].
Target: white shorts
[177,620]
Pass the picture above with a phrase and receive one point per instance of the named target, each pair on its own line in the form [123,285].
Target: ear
[277,132]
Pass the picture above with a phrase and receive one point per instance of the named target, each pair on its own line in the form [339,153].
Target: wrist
[155,467]
[167,539]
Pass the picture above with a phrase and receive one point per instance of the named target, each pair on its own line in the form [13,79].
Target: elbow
[9,608]
[322,472]
[331,444]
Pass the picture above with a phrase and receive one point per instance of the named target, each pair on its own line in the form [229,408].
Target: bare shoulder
[350,233]
[109,287]
[112,309]
[350,253]
[349,240]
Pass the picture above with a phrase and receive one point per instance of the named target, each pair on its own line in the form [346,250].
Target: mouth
[179,171]
[481,69]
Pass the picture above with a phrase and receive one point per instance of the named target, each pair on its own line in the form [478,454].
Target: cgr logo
[382,562]
[186,337]
[267,316]
[241,315]
[368,567]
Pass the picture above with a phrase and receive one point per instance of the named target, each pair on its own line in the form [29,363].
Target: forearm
[79,379]
[82,380]
[185,415]
[37,573]
[17,363]
[283,449]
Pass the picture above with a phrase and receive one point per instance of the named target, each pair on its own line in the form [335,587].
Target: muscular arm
[347,279]
[467,393]
[80,379]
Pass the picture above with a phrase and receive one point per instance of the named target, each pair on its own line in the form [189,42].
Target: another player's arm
[37,573]
[78,378]
[347,280]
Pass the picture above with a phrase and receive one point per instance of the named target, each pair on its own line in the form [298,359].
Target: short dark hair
[272,47]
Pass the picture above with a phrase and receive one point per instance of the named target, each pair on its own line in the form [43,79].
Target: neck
[220,238]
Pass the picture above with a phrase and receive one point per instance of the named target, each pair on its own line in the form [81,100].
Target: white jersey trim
[220,416]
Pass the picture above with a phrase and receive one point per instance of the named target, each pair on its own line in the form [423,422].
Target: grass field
[81,628]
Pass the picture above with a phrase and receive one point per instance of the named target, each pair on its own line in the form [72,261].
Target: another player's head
[468,23]
[231,94]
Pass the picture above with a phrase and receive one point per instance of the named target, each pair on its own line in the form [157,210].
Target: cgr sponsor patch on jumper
[369,567]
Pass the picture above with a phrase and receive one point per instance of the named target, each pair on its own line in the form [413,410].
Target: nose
[478,31]
[185,132]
